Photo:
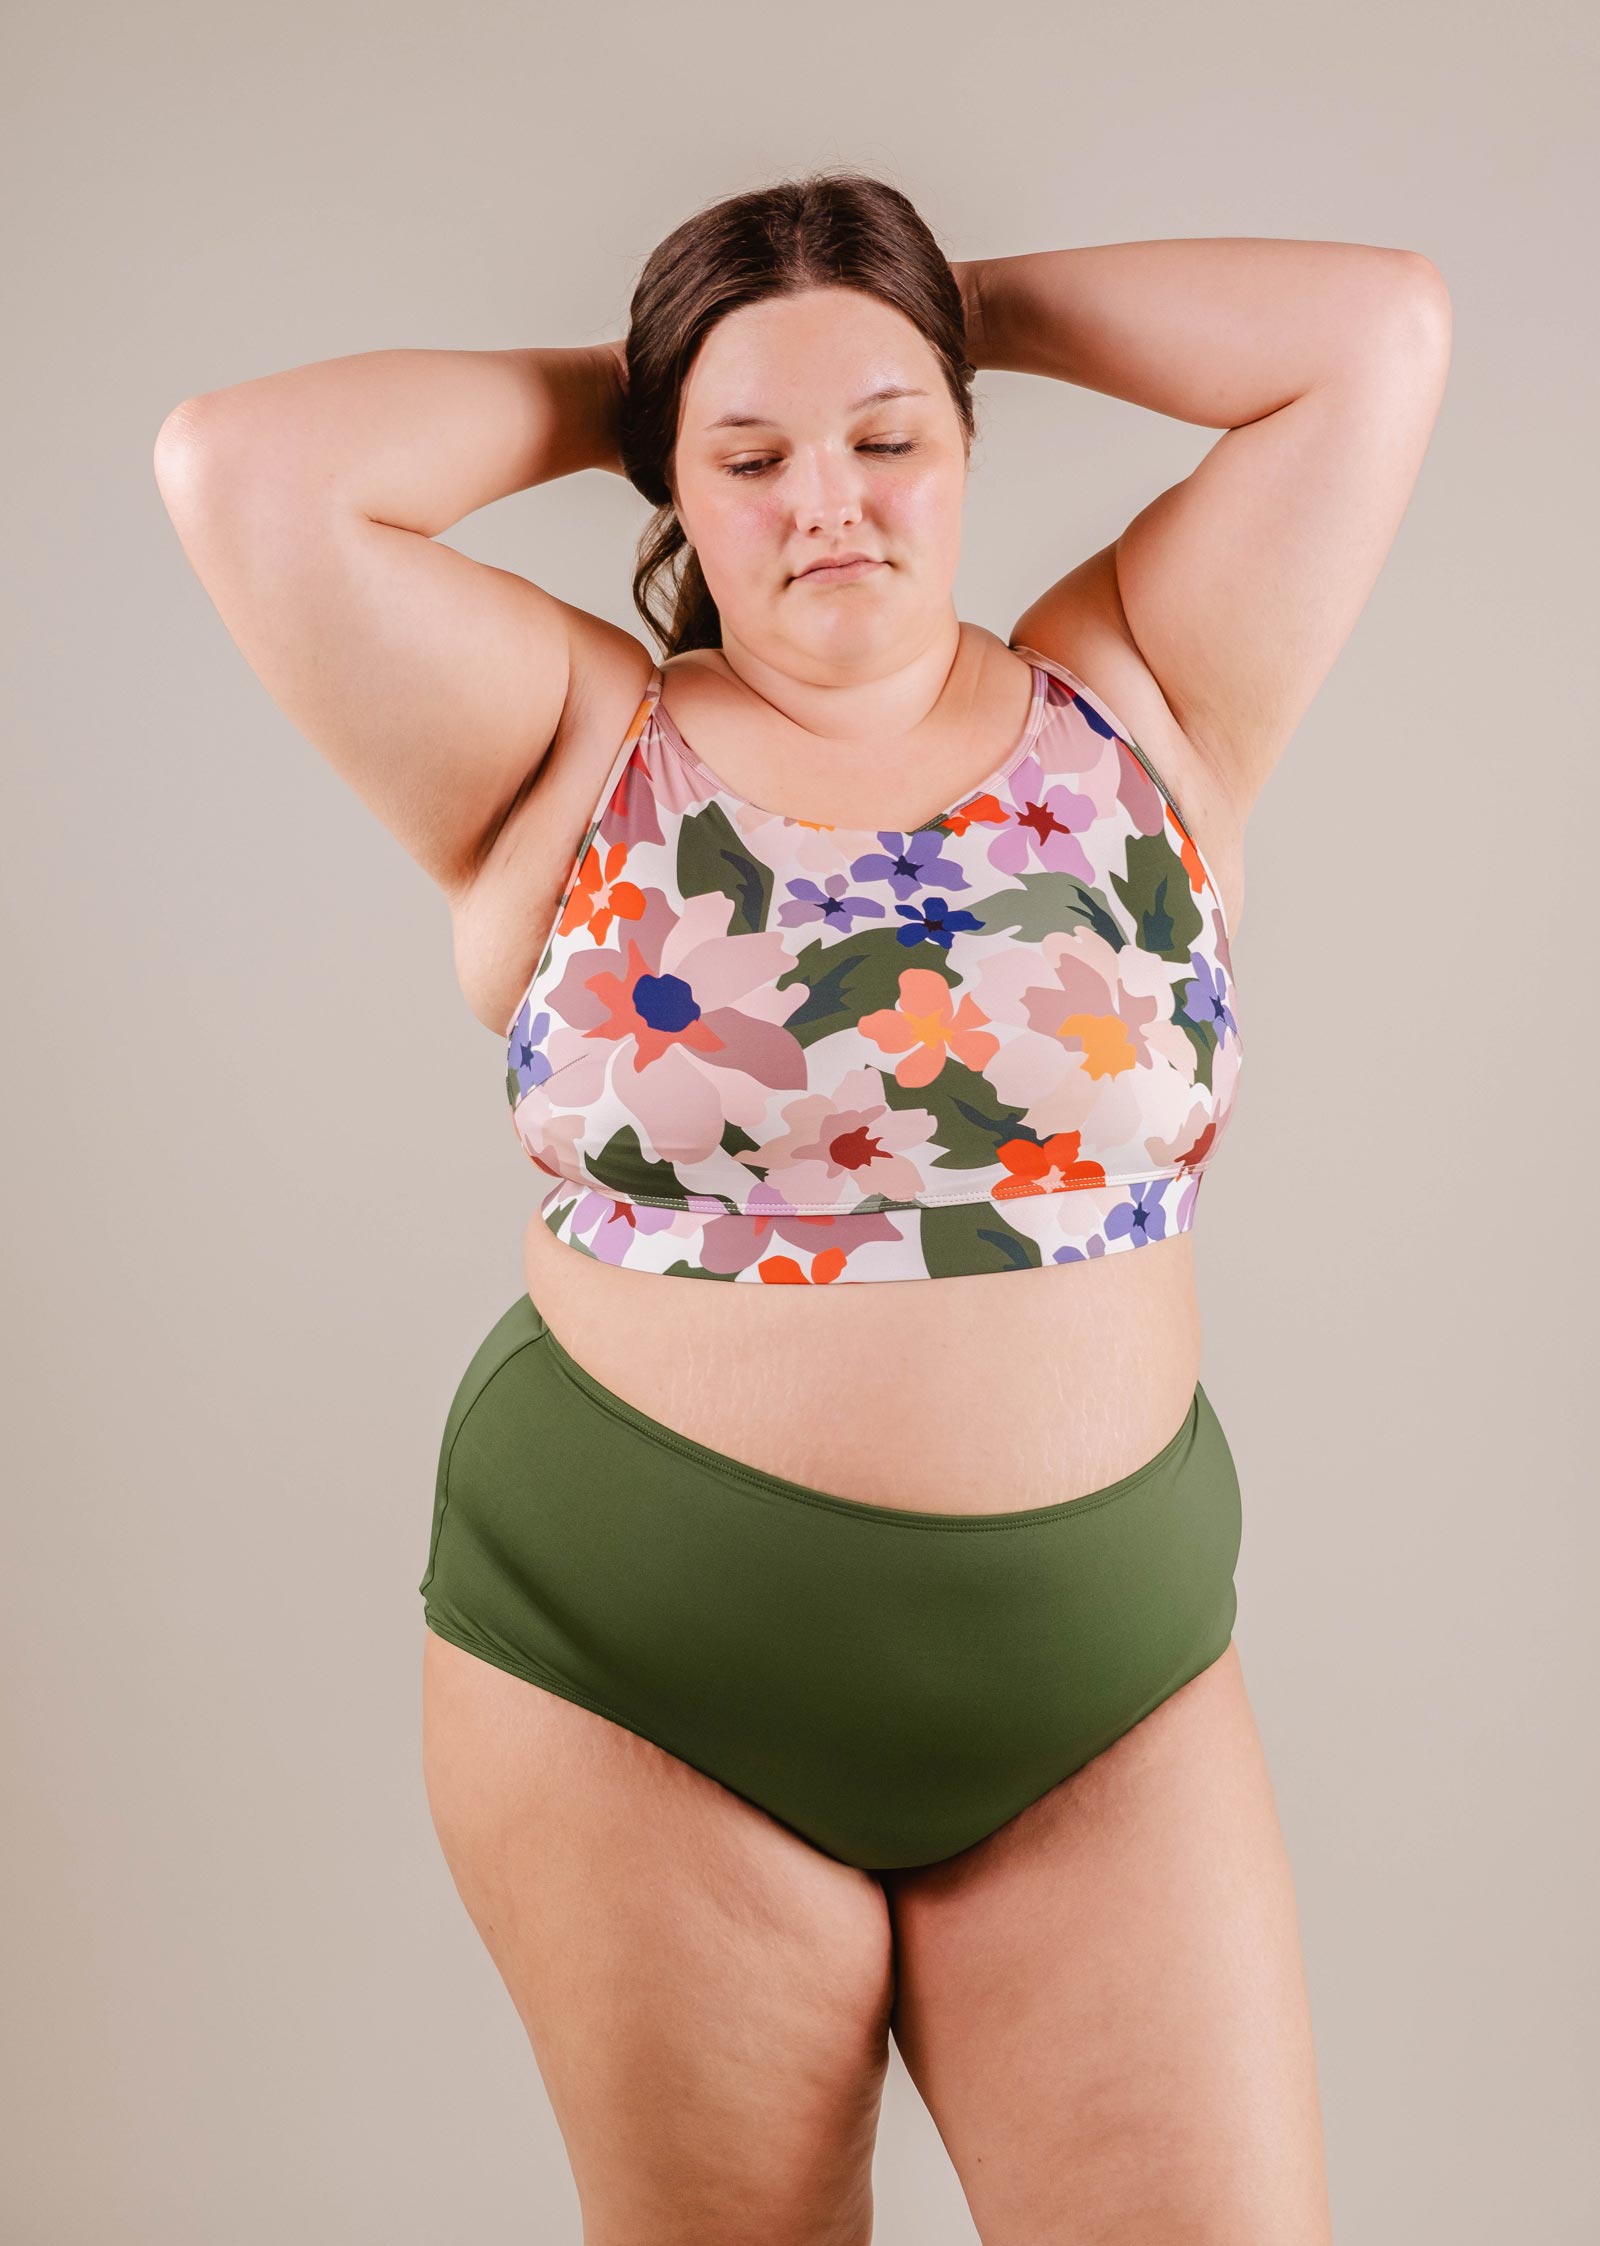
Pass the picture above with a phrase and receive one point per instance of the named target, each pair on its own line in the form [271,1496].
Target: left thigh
[1104,2007]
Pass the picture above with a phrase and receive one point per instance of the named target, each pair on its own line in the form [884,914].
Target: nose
[827,494]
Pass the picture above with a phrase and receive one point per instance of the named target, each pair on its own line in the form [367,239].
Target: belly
[947,1395]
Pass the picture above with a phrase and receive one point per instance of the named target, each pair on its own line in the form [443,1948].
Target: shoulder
[504,912]
[1079,623]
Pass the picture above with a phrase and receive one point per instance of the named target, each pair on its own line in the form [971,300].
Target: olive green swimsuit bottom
[893,1686]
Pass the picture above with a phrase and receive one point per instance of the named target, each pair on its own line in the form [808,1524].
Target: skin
[869,702]
[1103,2003]
[862,660]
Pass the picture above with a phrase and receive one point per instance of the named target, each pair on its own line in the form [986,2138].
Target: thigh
[1103,2004]
[706,1995]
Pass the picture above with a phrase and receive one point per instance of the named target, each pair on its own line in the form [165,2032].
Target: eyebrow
[872,398]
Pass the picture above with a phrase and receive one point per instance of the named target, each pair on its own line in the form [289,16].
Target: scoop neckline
[1002,772]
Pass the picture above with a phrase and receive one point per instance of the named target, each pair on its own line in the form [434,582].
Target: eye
[758,467]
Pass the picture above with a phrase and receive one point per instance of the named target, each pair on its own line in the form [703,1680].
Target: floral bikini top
[763,1048]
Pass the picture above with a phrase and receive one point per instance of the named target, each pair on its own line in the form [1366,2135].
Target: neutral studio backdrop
[262,1193]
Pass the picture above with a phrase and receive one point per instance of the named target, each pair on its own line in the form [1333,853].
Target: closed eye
[756,467]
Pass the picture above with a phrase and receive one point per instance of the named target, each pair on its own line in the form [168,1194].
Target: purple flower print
[608,1225]
[1094,1247]
[910,862]
[1205,999]
[527,1060]
[1140,1216]
[831,905]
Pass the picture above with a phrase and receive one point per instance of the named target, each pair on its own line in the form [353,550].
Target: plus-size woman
[841,1645]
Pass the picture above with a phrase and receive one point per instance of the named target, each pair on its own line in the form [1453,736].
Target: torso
[954,1395]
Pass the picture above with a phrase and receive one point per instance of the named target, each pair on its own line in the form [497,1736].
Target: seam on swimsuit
[778,1486]
[483,1389]
[528,1669]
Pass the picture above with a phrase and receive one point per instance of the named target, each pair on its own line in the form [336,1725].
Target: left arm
[1324,363]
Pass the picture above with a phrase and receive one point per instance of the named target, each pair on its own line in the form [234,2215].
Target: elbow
[188,451]
[1412,317]
[1426,295]
[175,446]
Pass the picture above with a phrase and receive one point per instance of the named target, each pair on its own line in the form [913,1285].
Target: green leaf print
[1156,891]
[736,1140]
[971,1125]
[1045,902]
[848,976]
[1201,1035]
[974,1236]
[555,1218]
[620,1167]
[712,861]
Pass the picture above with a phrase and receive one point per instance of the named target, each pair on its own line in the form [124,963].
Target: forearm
[1217,332]
[415,438]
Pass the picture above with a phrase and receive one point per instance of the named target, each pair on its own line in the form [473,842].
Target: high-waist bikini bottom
[892,1685]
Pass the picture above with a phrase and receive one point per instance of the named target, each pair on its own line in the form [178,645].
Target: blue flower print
[933,921]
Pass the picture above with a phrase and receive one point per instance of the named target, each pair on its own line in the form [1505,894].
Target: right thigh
[706,1995]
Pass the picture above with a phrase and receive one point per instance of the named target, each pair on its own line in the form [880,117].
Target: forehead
[834,351]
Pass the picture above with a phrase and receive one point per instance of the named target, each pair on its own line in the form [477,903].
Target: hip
[996,1396]
[893,1682]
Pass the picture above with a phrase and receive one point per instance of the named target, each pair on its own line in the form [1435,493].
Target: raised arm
[309,503]
[1324,362]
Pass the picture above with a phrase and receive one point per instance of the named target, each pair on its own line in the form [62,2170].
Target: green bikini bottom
[893,1686]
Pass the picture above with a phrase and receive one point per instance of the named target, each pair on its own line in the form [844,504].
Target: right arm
[309,504]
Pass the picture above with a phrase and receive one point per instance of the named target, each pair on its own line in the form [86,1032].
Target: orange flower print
[1189,856]
[784,1271]
[1053,1167]
[926,1026]
[599,898]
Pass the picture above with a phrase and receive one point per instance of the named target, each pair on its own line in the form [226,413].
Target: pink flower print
[846,1145]
[733,1243]
[1093,1017]
[1040,823]
[1220,944]
[1143,801]
[682,1029]
[926,1025]
[1184,1215]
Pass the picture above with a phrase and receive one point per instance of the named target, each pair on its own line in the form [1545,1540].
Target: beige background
[263,1196]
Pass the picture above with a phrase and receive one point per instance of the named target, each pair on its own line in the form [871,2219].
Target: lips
[842,565]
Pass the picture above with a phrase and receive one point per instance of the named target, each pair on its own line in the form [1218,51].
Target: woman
[811,1659]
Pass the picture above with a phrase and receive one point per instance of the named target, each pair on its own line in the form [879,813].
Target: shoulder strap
[625,747]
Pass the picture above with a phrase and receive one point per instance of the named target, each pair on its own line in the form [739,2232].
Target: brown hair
[842,229]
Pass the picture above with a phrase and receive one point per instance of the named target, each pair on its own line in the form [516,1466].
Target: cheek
[926,512]
[740,527]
